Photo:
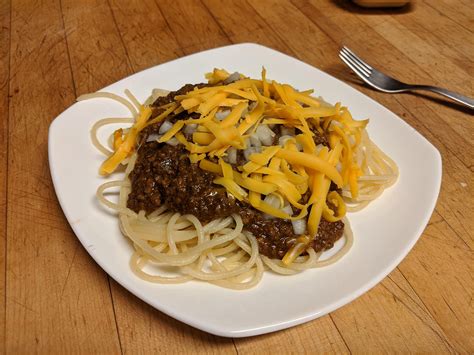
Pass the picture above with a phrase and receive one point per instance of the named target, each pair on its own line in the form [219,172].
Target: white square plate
[384,232]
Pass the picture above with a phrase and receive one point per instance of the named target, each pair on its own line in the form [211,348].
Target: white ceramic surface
[384,232]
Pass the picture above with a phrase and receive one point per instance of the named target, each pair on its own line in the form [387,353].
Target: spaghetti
[318,165]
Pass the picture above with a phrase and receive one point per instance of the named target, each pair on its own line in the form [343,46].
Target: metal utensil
[385,83]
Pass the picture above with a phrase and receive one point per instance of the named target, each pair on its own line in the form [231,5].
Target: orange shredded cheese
[288,170]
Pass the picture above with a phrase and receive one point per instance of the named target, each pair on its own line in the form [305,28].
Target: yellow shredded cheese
[172,131]
[128,144]
[202,138]
[190,103]
[235,115]
[290,171]
[231,186]
[312,162]
[212,103]
[263,158]
[163,115]
[118,140]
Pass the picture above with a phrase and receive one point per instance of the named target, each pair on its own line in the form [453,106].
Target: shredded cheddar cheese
[127,144]
[296,170]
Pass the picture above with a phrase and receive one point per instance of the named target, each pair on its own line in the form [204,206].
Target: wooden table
[54,296]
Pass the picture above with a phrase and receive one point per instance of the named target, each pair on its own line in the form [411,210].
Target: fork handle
[452,95]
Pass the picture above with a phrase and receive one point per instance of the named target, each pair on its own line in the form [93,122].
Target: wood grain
[54,298]
[451,44]
[411,328]
[460,12]
[145,33]
[4,93]
[57,298]
[192,25]
[143,329]
[101,60]
[231,17]
[432,66]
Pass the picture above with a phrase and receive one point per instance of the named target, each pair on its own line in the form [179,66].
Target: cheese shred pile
[293,176]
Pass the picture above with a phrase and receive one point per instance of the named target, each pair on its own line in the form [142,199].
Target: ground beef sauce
[163,174]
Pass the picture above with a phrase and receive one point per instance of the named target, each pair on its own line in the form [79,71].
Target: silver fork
[385,83]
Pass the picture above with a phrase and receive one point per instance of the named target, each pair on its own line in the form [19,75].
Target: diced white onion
[288,210]
[265,135]
[287,131]
[173,141]
[272,200]
[153,137]
[299,226]
[282,140]
[190,128]
[247,142]
[222,114]
[254,141]
[165,127]
[231,78]
[249,151]
[232,155]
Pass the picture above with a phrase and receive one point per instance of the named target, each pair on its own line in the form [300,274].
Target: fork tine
[356,70]
[349,57]
[354,65]
[357,58]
